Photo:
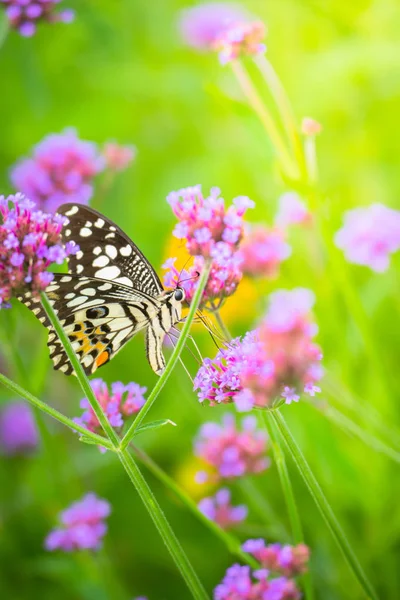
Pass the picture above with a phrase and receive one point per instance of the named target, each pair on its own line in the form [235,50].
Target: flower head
[231,452]
[30,241]
[205,222]
[240,39]
[262,250]
[220,510]
[61,169]
[24,15]
[82,526]
[200,26]
[370,235]
[117,404]
[291,211]
[18,433]
[310,127]
[285,560]
[118,157]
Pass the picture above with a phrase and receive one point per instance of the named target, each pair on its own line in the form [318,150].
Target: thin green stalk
[322,504]
[163,526]
[173,360]
[294,517]
[311,158]
[83,380]
[52,412]
[222,326]
[284,107]
[354,429]
[231,542]
[261,505]
[265,117]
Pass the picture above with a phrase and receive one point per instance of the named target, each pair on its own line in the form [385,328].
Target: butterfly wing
[106,252]
[98,316]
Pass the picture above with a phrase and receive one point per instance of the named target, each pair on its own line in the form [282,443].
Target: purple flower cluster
[220,510]
[230,452]
[262,251]
[118,157]
[277,361]
[292,211]
[18,433]
[61,169]
[273,581]
[200,26]
[370,235]
[30,241]
[82,526]
[120,403]
[241,39]
[24,15]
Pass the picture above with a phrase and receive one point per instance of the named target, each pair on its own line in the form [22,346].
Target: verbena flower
[241,39]
[262,251]
[289,561]
[18,433]
[370,235]
[29,242]
[310,127]
[61,169]
[200,26]
[225,276]
[205,222]
[231,452]
[118,157]
[220,510]
[118,403]
[82,526]
[277,362]
[291,211]
[24,15]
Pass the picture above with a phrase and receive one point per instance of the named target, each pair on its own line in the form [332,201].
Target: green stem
[173,360]
[163,526]
[231,542]
[222,326]
[265,117]
[294,517]
[311,159]
[52,412]
[322,504]
[83,380]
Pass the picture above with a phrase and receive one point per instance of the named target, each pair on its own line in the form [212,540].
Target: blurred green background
[121,72]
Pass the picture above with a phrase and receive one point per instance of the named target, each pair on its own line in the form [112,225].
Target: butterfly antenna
[203,320]
[183,268]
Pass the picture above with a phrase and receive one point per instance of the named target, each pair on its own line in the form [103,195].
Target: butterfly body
[109,294]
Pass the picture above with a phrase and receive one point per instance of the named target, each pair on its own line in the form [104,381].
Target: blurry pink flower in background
[232,453]
[291,211]
[220,510]
[370,235]
[285,560]
[30,241]
[201,25]
[117,404]
[82,526]
[262,250]
[62,169]
[118,157]
[18,433]
[310,127]
[24,15]
[241,39]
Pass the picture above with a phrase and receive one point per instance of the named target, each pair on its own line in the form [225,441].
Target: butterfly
[110,292]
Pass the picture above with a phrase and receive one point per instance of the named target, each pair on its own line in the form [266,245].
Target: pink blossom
[310,127]
[285,560]
[118,157]
[24,15]
[262,250]
[241,39]
[292,211]
[370,235]
[220,510]
[18,433]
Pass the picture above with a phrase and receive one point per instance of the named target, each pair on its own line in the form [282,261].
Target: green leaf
[154,425]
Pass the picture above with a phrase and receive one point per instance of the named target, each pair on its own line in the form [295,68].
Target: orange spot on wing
[102,358]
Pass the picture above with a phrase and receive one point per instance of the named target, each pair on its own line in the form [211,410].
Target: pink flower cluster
[220,510]
[30,241]
[18,433]
[123,401]
[370,235]
[241,39]
[24,15]
[274,581]
[82,526]
[118,157]
[291,211]
[61,170]
[230,452]
[200,26]
[276,362]
[225,276]
[262,251]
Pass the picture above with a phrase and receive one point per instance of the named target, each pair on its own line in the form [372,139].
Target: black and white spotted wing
[106,252]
